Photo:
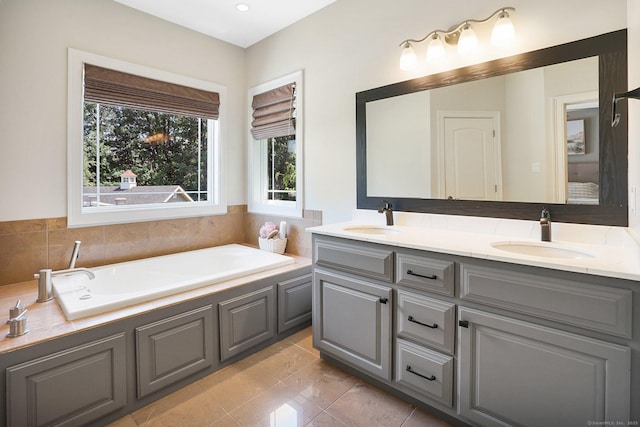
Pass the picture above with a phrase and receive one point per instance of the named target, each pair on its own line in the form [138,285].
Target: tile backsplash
[29,245]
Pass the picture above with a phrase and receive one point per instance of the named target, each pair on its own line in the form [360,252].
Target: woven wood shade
[274,113]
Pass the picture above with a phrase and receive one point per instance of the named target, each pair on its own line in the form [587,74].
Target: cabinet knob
[464,323]
[384,300]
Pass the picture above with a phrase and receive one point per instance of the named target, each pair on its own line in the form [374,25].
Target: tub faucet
[545,225]
[44,280]
[74,254]
[387,209]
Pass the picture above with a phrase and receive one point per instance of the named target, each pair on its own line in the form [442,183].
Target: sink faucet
[545,225]
[44,280]
[387,209]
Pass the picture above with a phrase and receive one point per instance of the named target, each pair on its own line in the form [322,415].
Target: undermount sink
[543,249]
[371,229]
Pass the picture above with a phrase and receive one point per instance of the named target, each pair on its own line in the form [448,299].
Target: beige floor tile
[124,422]
[325,420]
[365,405]
[320,383]
[304,339]
[420,418]
[189,406]
[278,407]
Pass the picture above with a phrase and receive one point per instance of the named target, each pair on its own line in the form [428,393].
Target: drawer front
[432,275]
[374,263]
[599,308]
[426,320]
[173,349]
[425,372]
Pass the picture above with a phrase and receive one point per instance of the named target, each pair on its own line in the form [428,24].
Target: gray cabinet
[352,321]
[246,321]
[425,273]
[370,261]
[70,388]
[174,348]
[518,373]
[294,302]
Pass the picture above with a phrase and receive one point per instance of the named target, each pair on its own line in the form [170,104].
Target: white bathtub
[120,285]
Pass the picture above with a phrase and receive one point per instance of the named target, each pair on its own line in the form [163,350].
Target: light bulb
[435,51]
[468,41]
[408,60]
[503,33]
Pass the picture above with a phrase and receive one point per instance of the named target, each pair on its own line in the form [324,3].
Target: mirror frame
[611,49]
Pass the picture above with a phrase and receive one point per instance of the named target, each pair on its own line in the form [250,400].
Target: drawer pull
[431,378]
[464,323]
[432,277]
[411,319]
[383,300]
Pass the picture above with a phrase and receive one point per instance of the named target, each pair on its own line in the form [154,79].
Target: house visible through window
[149,145]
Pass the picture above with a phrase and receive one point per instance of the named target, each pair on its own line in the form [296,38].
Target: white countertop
[612,251]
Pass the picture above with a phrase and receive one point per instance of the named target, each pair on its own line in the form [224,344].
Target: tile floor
[286,384]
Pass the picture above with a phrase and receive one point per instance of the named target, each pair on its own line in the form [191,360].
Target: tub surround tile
[27,246]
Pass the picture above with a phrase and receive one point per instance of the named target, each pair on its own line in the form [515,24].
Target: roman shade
[274,113]
[105,86]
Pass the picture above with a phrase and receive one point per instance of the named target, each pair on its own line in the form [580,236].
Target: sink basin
[543,249]
[371,229]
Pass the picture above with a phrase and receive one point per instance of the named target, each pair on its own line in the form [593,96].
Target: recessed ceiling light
[242,7]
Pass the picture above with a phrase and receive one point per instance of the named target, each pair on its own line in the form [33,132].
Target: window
[143,144]
[275,147]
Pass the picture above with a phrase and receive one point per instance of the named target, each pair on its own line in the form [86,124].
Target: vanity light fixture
[461,35]
[632,94]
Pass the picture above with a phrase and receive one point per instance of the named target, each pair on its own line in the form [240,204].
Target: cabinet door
[352,322]
[246,321]
[294,302]
[519,373]
[70,388]
[173,349]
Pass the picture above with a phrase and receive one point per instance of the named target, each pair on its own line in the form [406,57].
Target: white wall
[34,37]
[633,14]
[352,45]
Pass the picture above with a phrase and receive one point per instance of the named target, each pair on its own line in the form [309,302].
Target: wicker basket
[273,245]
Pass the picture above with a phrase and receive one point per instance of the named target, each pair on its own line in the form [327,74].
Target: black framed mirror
[611,204]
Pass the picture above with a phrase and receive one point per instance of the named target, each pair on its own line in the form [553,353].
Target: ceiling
[222,20]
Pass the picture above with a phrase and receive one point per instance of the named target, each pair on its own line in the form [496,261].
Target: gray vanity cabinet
[518,373]
[352,321]
[174,348]
[294,302]
[246,321]
[69,388]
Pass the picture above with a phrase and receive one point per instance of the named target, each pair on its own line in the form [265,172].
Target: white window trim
[255,160]
[77,216]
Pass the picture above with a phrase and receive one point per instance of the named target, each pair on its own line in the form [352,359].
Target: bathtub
[123,284]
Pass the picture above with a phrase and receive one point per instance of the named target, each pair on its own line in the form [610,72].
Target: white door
[472,158]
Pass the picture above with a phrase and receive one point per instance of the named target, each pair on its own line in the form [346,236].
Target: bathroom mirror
[403,129]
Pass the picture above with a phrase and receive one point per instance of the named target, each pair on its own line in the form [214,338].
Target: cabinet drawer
[426,372]
[294,302]
[174,348]
[374,263]
[429,274]
[591,306]
[426,320]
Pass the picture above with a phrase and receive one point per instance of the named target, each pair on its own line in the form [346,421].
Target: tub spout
[44,280]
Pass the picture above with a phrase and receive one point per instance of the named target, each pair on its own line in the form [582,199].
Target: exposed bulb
[408,59]
[435,51]
[503,34]
[468,41]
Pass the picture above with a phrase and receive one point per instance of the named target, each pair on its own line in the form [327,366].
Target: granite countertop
[610,254]
[46,320]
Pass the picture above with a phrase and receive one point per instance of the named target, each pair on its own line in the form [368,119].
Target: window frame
[257,158]
[79,216]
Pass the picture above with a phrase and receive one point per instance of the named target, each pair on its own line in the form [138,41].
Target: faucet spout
[75,253]
[545,225]
[387,209]
[45,285]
